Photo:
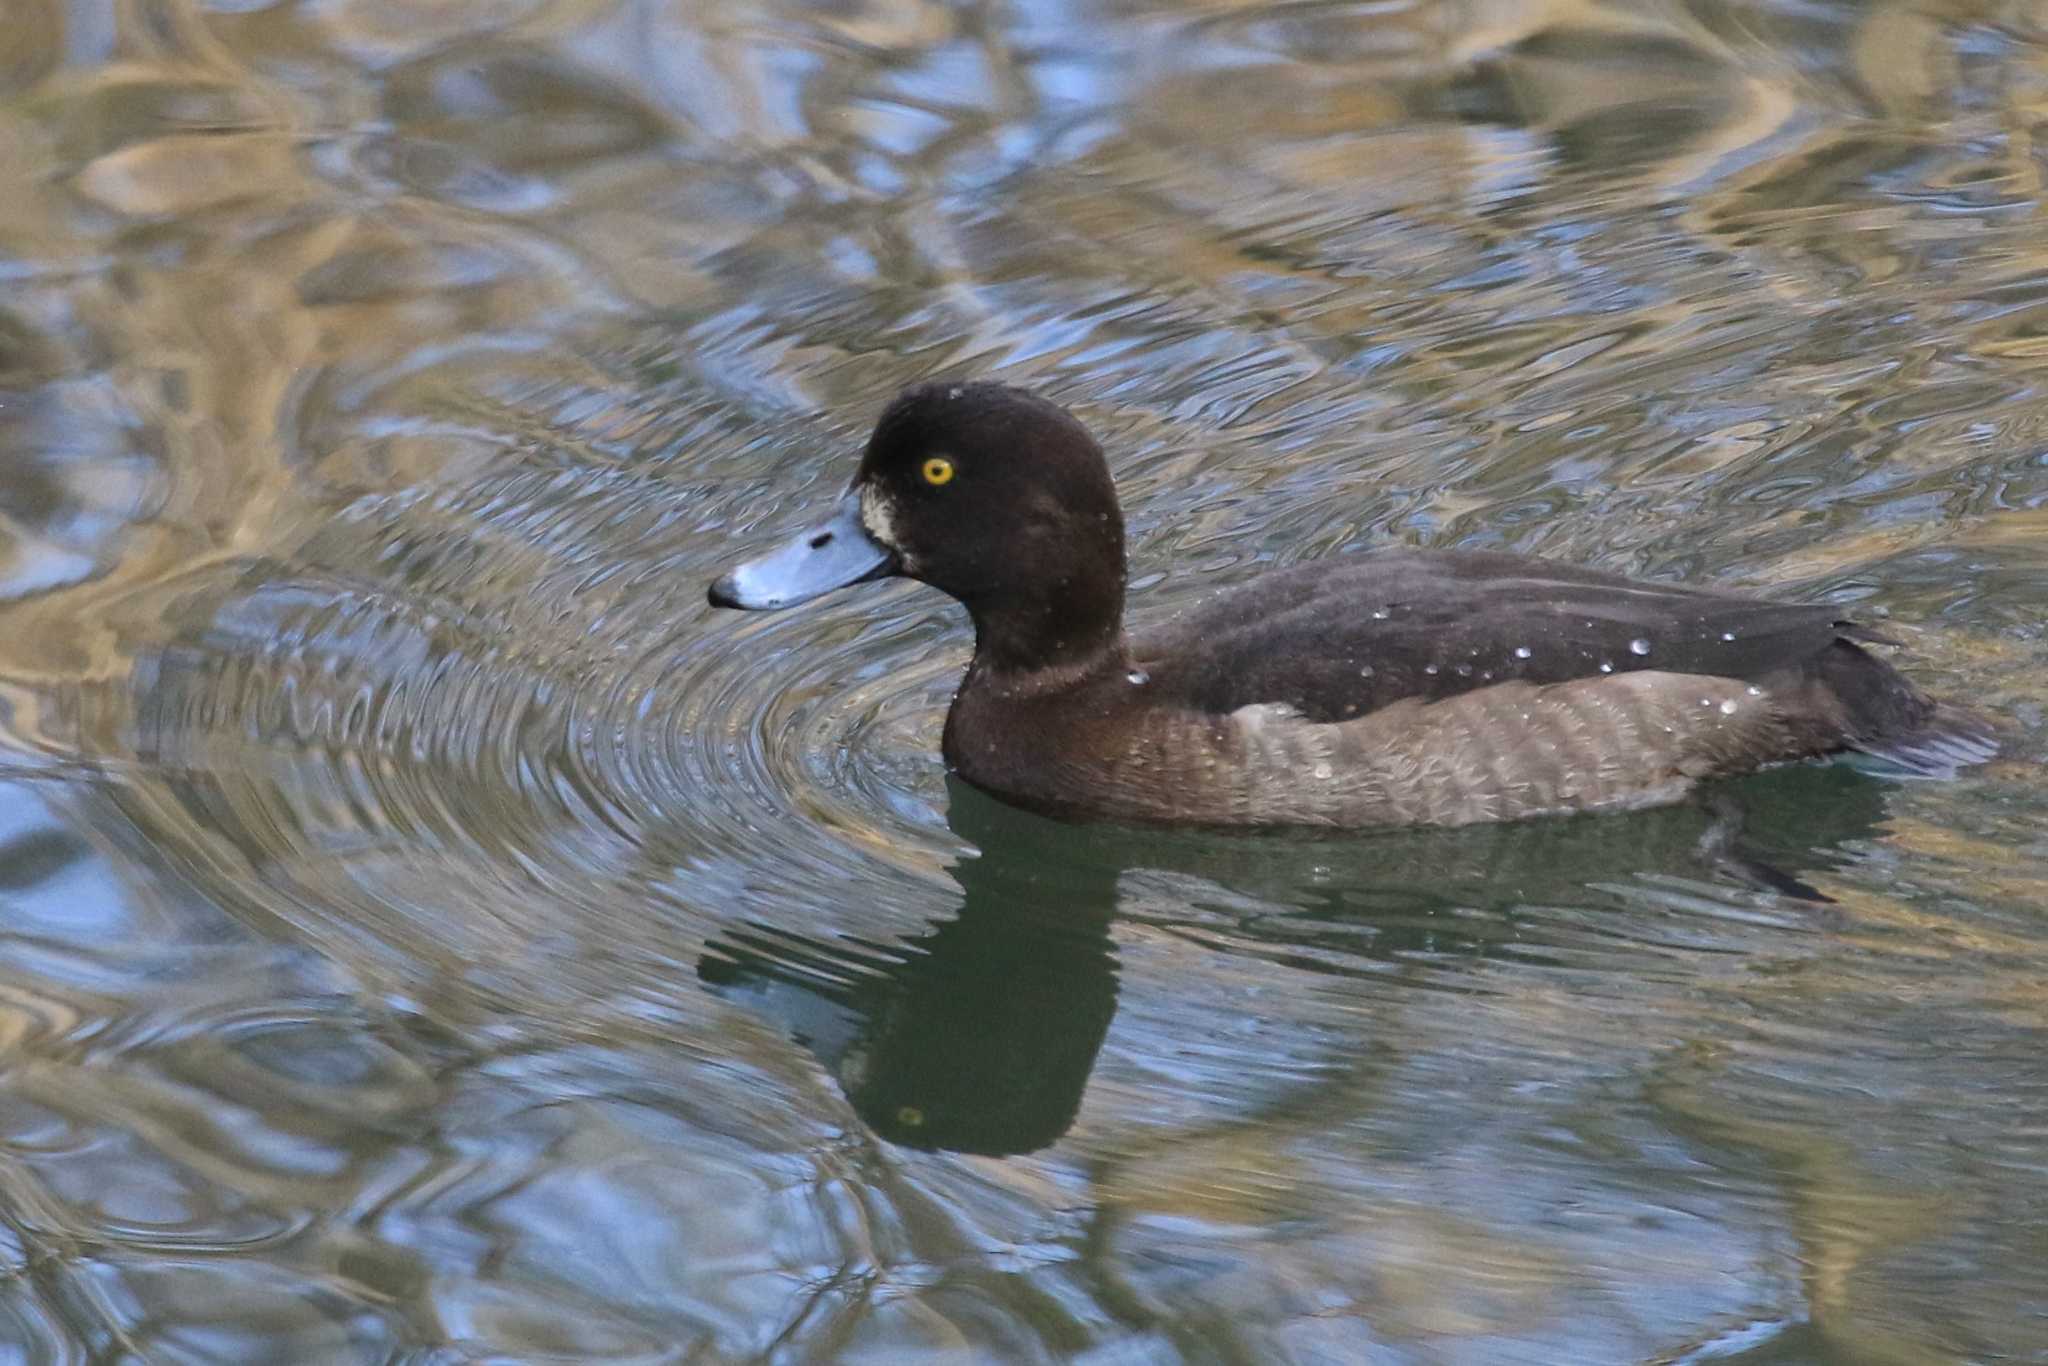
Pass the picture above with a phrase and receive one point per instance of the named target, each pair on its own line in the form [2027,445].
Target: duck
[1387,687]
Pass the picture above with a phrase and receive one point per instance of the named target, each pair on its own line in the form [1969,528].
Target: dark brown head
[987,493]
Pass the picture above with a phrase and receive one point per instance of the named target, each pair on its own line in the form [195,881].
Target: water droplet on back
[1138,678]
[1523,652]
[1639,646]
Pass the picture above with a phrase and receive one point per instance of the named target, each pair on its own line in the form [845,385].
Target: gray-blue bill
[826,557]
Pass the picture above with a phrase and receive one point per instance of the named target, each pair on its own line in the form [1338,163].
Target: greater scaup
[1390,687]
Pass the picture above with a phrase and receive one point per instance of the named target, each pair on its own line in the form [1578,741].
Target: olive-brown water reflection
[424,927]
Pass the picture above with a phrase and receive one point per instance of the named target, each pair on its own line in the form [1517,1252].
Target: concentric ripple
[329,729]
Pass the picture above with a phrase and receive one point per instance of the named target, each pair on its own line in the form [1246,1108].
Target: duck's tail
[1903,731]
[1952,739]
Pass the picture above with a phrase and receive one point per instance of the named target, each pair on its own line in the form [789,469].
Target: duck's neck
[1048,639]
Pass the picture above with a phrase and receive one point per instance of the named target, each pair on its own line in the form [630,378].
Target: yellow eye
[938,470]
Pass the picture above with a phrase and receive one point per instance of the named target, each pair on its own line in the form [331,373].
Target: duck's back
[1342,637]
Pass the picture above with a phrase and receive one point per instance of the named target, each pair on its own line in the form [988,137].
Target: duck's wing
[1339,638]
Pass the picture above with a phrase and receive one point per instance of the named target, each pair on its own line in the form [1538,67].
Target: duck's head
[987,493]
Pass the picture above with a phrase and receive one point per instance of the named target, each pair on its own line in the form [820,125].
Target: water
[427,930]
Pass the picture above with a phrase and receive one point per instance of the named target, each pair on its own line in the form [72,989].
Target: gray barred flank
[1515,750]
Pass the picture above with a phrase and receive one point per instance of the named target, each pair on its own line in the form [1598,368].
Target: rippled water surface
[428,930]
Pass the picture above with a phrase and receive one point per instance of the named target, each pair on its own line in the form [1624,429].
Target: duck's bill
[824,558]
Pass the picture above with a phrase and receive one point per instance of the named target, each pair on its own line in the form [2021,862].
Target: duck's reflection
[979,1035]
